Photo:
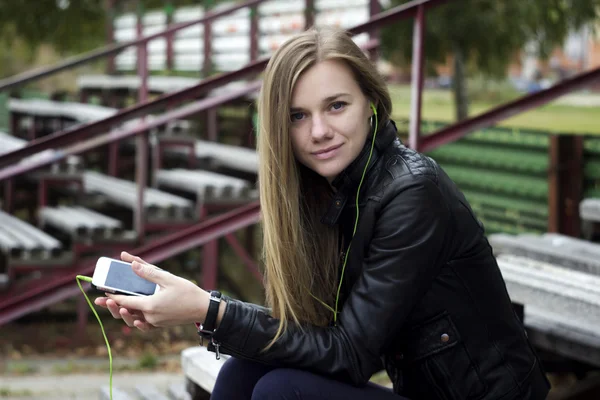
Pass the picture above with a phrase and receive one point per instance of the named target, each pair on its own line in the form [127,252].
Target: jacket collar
[346,183]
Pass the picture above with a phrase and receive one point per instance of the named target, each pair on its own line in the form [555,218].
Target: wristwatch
[208,327]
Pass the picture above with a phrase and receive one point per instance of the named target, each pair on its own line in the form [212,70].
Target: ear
[372,108]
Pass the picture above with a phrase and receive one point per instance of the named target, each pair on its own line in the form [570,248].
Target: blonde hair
[301,254]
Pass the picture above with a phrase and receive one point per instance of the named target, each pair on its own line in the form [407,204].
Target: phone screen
[121,276]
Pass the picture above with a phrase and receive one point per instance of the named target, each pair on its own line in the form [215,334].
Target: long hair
[301,254]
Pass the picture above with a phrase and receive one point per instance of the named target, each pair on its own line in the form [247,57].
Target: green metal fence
[591,170]
[503,173]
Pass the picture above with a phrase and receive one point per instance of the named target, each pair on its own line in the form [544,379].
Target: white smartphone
[115,276]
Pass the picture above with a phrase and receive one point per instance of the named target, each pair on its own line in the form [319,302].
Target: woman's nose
[320,128]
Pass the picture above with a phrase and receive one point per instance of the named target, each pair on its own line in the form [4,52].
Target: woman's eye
[338,105]
[297,116]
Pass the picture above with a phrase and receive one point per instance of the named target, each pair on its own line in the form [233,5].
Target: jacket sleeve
[405,254]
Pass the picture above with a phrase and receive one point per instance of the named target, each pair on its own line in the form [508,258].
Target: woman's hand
[178,301]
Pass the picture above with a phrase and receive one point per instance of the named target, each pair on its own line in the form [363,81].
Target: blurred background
[130,125]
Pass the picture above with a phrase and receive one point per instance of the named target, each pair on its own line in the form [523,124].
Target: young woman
[373,257]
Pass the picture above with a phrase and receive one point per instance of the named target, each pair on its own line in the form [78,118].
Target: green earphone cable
[110,363]
[337,297]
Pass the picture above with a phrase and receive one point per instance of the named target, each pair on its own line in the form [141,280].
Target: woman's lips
[327,153]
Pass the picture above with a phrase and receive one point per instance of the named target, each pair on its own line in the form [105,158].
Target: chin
[329,173]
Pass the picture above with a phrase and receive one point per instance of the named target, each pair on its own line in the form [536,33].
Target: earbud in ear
[373,108]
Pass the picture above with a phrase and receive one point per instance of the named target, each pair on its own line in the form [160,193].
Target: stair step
[567,252]
[177,391]
[146,392]
[118,394]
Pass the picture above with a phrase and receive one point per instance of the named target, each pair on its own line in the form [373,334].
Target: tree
[67,25]
[71,26]
[487,34]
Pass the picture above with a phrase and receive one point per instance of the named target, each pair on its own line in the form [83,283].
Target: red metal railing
[41,293]
[68,137]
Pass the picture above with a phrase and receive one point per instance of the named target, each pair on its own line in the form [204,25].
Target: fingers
[127,317]
[133,318]
[151,273]
[129,302]
[142,326]
[125,256]
[101,301]
[113,308]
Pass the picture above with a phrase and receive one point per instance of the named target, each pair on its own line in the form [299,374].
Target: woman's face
[329,118]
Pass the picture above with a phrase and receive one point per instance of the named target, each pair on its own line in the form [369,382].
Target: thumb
[150,273]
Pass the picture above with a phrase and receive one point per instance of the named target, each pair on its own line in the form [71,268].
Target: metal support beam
[374,34]
[309,14]
[244,256]
[254,33]
[210,265]
[169,37]
[207,62]
[9,190]
[417,79]
[110,34]
[141,169]
[565,184]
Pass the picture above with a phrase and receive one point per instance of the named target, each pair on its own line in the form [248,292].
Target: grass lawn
[559,118]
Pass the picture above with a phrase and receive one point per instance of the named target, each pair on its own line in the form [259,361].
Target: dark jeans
[246,380]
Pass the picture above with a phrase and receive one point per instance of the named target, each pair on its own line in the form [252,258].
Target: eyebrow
[325,100]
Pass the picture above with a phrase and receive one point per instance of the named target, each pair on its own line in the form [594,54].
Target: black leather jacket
[423,294]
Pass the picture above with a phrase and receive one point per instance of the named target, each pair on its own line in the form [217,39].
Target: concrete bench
[589,213]
[589,210]
[568,252]
[4,280]
[81,223]
[222,155]
[230,34]
[76,113]
[559,303]
[146,392]
[158,204]
[156,84]
[117,393]
[149,393]
[79,112]
[200,368]
[20,240]
[209,187]
[9,143]
[573,297]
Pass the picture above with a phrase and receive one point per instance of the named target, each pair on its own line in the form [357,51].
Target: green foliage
[490,32]
[7,392]
[67,25]
[147,361]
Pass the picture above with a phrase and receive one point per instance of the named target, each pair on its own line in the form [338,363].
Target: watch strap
[208,327]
